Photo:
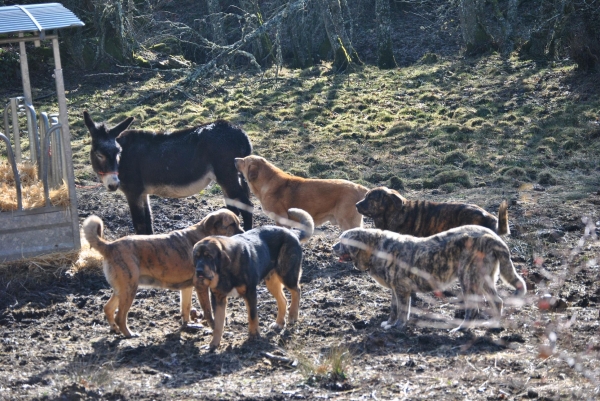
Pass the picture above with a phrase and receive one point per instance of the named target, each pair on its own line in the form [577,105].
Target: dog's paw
[132,335]
[463,328]
[189,327]
[388,324]
[195,315]
[276,326]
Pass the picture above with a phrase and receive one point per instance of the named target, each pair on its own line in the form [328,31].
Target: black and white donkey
[170,164]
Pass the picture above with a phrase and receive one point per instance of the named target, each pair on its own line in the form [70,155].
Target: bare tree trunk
[216,21]
[300,36]
[343,51]
[262,47]
[385,51]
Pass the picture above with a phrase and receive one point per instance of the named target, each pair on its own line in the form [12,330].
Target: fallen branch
[235,48]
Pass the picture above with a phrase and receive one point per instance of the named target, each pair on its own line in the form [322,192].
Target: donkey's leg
[235,187]
[139,206]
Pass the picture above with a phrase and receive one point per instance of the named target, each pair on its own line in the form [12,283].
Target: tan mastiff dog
[324,199]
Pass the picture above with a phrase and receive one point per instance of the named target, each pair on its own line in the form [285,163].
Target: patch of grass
[318,168]
[460,177]
[329,367]
[546,178]
[515,172]
[456,157]
[378,177]
[215,189]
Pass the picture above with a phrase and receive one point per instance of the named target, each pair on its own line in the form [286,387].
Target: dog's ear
[122,126]
[222,258]
[395,199]
[252,172]
[213,224]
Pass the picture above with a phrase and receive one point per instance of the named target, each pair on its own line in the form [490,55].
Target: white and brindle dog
[472,254]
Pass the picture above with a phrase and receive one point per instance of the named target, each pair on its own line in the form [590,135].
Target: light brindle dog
[391,211]
[472,254]
[159,261]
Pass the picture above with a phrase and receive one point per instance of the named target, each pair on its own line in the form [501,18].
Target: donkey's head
[106,151]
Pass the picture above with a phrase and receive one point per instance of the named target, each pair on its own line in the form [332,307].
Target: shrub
[546,178]
[449,176]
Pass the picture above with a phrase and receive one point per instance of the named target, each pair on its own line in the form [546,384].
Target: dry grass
[32,189]
[88,258]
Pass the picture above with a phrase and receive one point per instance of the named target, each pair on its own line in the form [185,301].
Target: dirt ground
[56,343]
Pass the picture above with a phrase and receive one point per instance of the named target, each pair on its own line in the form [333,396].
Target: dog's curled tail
[92,229]
[304,223]
[508,273]
[503,228]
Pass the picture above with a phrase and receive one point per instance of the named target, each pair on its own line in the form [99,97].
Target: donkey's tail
[92,229]
[503,228]
[303,223]
[508,273]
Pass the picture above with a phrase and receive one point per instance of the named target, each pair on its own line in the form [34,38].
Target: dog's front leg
[204,298]
[185,300]
[400,309]
[219,324]
[251,306]
[393,319]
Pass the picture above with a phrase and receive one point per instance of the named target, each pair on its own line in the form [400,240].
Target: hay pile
[33,189]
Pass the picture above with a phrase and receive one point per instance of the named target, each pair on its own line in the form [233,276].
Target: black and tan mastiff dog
[474,255]
[233,266]
[391,211]
[159,261]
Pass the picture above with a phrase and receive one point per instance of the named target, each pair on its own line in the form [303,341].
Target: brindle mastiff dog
[160,261]
[325,200]
[474,255]
[391,211]
[234,267]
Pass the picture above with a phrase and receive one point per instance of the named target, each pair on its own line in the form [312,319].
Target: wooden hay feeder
[44,225]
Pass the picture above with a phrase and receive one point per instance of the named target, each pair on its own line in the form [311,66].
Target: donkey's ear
[122,126]
[88,121]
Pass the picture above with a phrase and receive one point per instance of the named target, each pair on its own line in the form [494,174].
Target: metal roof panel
[48,16]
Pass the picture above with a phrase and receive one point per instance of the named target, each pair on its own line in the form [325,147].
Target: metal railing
[50,161]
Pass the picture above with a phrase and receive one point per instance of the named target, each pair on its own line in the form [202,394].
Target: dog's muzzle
[361,206]
[201,272]
[338,250]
